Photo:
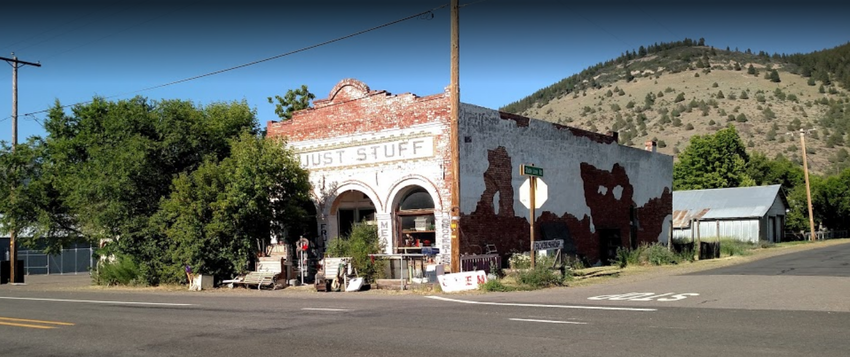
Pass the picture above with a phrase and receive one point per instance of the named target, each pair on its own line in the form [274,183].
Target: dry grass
[702,88]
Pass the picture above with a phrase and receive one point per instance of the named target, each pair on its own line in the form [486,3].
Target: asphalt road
[753,309]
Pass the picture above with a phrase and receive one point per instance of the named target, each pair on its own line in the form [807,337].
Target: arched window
[415,220]
[415,200]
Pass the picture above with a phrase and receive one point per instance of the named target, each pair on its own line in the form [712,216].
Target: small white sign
[549,244]
[540,197]
[451,283]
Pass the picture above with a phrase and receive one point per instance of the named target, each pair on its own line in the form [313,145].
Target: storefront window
[415,218]
[354,207]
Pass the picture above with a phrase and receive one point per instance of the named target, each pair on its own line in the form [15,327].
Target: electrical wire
[303,49]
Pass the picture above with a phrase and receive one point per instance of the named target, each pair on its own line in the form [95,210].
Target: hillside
[670,92]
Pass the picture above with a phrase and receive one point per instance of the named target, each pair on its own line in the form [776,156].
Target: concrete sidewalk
[51,282]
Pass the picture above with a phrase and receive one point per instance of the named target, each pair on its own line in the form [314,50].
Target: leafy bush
[657,254]
[540,277]
[626,257]
[495,285]
[650,254]
[124,270]
[362,242]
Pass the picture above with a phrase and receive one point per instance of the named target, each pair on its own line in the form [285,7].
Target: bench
[259,279]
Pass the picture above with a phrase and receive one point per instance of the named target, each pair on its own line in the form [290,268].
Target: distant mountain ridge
[672,91]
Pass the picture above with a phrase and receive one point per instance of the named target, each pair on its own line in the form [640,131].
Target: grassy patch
[496,285]
[522,277]
[731,247]
[650,254]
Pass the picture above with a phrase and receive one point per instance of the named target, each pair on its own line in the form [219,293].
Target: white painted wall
[560,154]
[382,179]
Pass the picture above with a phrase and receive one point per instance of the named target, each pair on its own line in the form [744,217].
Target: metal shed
[749,214]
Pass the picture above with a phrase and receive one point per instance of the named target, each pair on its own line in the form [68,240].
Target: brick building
[386,158]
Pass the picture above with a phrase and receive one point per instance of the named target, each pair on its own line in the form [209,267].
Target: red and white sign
[451,283]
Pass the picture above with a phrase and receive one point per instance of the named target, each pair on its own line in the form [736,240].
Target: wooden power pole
[808,190]
[15,63]
[454,137]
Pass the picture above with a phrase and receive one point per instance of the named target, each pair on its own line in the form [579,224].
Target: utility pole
[808,190]
[15,63]
[454,137]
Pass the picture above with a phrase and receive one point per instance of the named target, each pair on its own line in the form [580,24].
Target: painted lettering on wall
[667,297]
[446,230]
[373,153]
[384,231]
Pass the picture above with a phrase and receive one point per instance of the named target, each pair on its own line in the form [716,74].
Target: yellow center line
[25,325]
[36,321]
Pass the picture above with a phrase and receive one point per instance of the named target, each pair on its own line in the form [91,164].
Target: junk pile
[272,270]
[336,274]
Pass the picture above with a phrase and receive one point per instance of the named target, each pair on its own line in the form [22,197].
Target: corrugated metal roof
[722,203]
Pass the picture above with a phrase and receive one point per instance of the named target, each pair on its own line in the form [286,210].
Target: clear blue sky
[509,49]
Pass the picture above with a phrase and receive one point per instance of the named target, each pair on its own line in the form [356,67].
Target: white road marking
[551,321]
[98,301]
[609,308]
[323,309]
[643,297]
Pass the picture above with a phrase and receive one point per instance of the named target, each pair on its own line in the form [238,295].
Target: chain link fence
[76,260]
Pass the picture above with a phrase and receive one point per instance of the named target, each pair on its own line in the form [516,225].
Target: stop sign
[541,194]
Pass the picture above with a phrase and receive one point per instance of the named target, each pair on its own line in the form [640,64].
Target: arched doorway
[353,207]
[414,221]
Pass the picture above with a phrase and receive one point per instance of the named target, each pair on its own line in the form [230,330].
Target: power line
[303,49]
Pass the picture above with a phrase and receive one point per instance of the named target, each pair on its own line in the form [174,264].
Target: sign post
[533,173]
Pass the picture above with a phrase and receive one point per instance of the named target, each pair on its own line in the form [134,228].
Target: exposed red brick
[520,120]
[511,234]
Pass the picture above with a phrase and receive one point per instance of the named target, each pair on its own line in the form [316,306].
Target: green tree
[680,98]
[779,171]
[33,204]
[217,214]
[831,200]
[294,100]
[774,76]
[103,169]
[712,161]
